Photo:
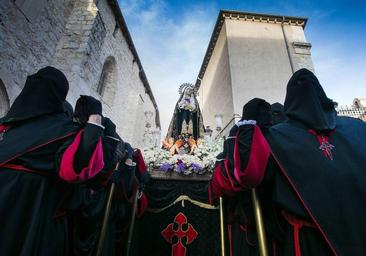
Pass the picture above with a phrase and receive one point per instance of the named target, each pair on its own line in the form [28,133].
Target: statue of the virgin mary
[187,122]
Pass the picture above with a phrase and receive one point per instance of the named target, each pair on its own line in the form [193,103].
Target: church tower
[249,55]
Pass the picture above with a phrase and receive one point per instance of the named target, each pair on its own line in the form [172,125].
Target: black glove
[121,149]
[109,127]
[258,110]
[86,106]
[129,150]
[126,174]
[144,180]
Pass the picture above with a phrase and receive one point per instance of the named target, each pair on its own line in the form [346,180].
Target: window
[108,81]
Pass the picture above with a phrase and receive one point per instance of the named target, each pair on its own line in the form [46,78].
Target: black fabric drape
[163,192]
[332,190]
[150,241]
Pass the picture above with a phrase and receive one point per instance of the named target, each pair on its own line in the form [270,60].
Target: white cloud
[171,48]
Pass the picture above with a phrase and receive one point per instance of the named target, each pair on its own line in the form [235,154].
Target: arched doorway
[4,100]
[108,81]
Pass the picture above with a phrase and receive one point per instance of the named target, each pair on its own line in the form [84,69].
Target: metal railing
[352,112]
[228,126]
[341,111]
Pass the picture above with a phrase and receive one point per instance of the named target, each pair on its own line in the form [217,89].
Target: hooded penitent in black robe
[278,113]
[38,148]
[89,202]
[240,223]
[315,173]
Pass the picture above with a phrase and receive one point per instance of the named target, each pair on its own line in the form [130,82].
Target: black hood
[278,113]
[307,103]
[68,109]
[43,93]
[259,110]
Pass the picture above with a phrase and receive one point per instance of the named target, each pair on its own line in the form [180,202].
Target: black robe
[330,193]
[311,182]
[89,202]
[32,190]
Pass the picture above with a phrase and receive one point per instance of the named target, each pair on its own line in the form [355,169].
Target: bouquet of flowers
[188,104]
[201,162]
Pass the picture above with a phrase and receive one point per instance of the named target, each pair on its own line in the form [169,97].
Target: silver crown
[184,86]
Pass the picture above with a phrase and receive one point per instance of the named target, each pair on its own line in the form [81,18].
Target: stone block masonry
[85,41]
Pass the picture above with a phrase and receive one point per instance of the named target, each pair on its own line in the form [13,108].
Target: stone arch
[108,81]
[4,99]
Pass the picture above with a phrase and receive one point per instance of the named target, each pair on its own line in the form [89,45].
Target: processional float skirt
[180,221]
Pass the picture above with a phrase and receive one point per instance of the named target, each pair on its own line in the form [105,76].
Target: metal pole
[261,234]
[222,228]
[105,220]
[132,223]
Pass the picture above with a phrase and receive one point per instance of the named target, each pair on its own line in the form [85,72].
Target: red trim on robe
[95,165]
[140,162]
[230,237]
[220,184]
[303,203]
[297,224]
[324,139]
[253,174]
[37,147]
[22,168]
[4,127]
[210,193]
[143,204]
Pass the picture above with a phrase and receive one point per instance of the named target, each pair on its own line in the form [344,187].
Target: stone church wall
[218,89]
[86,42]
[258,61]
[250,55]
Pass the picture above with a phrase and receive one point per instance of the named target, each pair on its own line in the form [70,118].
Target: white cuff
[113,138]
[89,122]
[246,122]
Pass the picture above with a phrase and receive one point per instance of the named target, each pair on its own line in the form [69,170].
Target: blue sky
[171,38]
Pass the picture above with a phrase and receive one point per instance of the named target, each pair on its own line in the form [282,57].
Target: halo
[183,86]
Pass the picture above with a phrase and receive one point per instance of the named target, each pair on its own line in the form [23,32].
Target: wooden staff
[261,234]
[106,217]
[222,228]
[132,223]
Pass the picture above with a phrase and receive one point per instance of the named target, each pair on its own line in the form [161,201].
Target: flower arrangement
[201,162]
[187,105]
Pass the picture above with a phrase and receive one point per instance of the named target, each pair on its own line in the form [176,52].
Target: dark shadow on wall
[108,81]
[4,99]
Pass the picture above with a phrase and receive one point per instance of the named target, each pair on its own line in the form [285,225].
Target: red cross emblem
[178,248]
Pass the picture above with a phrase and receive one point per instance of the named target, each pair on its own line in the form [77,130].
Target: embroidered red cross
[325,146]
[178,248]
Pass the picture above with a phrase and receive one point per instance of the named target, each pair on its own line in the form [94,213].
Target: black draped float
[180,221]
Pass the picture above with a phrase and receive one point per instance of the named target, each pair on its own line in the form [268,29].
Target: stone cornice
[264,18]
[247,16]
